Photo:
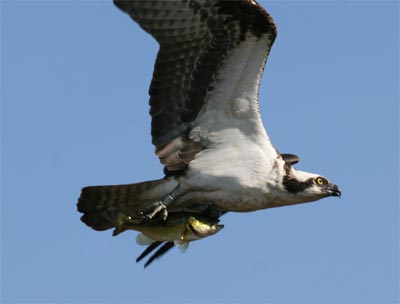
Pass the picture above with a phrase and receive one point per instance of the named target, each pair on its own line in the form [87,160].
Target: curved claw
[156,209]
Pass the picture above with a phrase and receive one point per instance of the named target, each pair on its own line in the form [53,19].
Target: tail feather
[97,203]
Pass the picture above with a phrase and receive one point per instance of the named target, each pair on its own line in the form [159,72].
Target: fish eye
[320,181]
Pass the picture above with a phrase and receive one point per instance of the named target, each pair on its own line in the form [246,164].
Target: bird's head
[301,187]
[309,186]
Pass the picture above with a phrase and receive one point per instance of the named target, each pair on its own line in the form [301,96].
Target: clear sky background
[74,80]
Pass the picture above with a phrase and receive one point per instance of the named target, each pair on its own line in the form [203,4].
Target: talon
[157,208]
[164,214]
[212,211]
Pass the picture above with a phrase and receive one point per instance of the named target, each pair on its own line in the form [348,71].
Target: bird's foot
[212,212]
[208,210]
[156,209]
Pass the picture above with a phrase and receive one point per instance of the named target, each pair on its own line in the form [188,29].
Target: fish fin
[143,240]
[182,245]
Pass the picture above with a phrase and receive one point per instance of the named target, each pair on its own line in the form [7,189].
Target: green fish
[180,228]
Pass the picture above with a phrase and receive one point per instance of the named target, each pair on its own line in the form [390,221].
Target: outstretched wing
[211,57]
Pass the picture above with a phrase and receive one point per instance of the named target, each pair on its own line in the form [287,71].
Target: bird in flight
[206,125]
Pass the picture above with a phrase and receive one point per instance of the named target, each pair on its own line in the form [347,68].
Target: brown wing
[194,38]
[290,159]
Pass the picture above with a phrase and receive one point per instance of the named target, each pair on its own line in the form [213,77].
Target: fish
[178,229]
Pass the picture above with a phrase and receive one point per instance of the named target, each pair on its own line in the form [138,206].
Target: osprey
[206,124]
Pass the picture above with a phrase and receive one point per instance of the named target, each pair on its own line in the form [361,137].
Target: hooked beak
[334,191]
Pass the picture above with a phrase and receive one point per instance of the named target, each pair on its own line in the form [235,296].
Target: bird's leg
[212,212]
[208,210]
[160,208]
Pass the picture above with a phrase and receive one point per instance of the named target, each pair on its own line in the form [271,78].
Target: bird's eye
[319,181]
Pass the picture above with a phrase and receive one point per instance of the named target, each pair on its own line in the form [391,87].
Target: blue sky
[74,80]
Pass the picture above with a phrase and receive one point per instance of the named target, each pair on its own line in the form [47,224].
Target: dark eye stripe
[294,186]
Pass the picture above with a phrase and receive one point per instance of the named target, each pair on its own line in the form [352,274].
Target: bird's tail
[99,203]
